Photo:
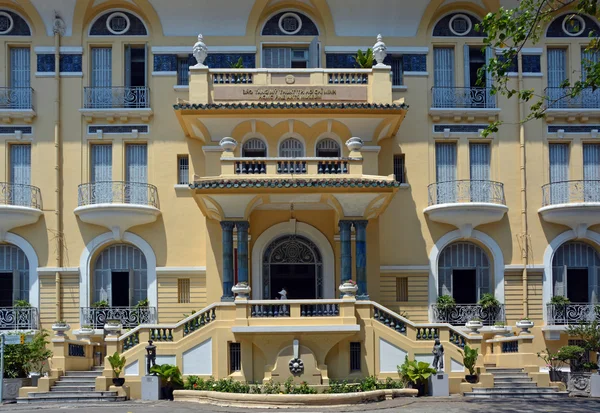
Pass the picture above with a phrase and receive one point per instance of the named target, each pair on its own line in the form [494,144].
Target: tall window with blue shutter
[479,156]
[445,171]
[557,74]
[559,172]
[20,77]
[136,158]
[20,174]
[443,76]
[591,172]
[101,172]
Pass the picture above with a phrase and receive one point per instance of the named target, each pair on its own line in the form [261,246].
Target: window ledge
[402,88]
[181,88]
[182,187]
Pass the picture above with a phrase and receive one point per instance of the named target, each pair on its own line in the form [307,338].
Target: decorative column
[227,227]
[346,267]
[242,250]
[361,259]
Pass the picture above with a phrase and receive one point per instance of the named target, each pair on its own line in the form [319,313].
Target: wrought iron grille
[13,318]
[563,98]
[466,190]
[510,347]
[355,356]
[16,98]
[136,97]
[235,357]
[568,192]
[462,97]
[76,350]
[574,313]
[118,192]
[461,313]
[20,195]
[129,317]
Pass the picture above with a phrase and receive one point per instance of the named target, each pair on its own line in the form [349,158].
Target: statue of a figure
[200,51]
[150,357]
[438,356]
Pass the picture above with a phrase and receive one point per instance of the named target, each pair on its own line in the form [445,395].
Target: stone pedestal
[595,385]
[150,388]
[439,385]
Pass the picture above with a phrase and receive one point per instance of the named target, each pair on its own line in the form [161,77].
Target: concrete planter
[525,325]
[474,326]
[12,386]
[348,289]
[113,329]
[60,329]
[500,330]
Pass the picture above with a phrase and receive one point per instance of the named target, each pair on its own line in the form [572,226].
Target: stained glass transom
[119,23]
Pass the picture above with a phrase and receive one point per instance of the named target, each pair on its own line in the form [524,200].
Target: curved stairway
[73,387]
[514,383]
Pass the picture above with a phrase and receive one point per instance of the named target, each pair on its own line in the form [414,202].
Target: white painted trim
[32,261]
[181,88]
[213,49]
[497,262]
[103,241]
[527,74]
[519,267]
[400,88]
[45,74]
[71,74]
[181,187]
[53,270]
[566,236]
[403,268]
[409,73]
[298,329]
[525,50]
[62,49]
[287,228]
[212,149]
[375,149]
[165,74]
[390,49]
[178,270]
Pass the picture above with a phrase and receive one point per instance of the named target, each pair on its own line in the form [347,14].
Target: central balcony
[461,313]
[116,102]
[287,166]
[575,204]
[20,205]
[129,317]
[16,103]
[117,205]
[18,318]
[466,204]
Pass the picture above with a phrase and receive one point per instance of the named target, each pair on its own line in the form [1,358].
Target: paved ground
[424,405]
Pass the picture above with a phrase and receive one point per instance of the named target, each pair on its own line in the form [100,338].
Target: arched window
[14,275]
[573,25]
[464,272]
[254,148]
[120,276]
[11,24]
[290,23]
[328,148]
[457,24]
[576,272]
[118,23]
[291,148]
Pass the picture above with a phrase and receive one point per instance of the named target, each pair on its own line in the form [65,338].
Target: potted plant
[469,360]
[500,327]
[142,303]
[553,363]
[21,304]
[348,288]
[241,289]
[415,374]
[590,334]
[38,356]
[16,369]
[364,60]
[170,379]
[524,324]
[475,324]
[86,330]
[117,363]
[100,304]
[60,327]
[445,304]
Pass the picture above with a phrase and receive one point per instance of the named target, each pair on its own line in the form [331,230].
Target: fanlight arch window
[290,23]
[11,24]
[291,148]
[573,25]
[464,272]
[576,272]
[118,23]
[457,25]
[14,275]
[120,276]
[328,148]
[254,148]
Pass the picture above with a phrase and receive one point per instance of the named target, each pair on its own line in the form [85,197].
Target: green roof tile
[293,183]
[283,105]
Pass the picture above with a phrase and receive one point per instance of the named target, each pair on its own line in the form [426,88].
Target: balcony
[16,103]
[461,313]
[574,313]
[466,102]
[116,102]
[287,166]
[14,318]
[575,204]
[20,205]
[118,206]
[466,204]
[129,317]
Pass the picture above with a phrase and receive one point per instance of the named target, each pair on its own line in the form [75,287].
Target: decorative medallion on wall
[290,23]
[118,23]
[296,366]
[460,25]
[573,25]
[290,79]
[11,24]
[6,23]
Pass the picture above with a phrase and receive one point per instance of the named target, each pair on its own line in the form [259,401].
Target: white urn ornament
[379,51]
[354,144]
[60,328]
[113,327]
[348,288]
[242,290]
[474,326]
[200,51]
[525,325]
[228,144]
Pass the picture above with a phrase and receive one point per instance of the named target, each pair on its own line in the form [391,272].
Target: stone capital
[227,225]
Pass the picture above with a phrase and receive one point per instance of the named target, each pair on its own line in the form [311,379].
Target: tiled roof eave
[293,183]
[284,105]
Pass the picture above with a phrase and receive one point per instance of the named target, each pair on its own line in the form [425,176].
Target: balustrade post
[361,259]
[346,265]
[227,227]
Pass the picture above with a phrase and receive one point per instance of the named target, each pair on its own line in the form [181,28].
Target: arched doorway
[292,262]
[576,272]
[14,276]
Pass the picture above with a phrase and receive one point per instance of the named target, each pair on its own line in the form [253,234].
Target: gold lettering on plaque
[278,94]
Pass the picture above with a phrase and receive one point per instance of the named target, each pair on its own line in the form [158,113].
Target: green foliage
[271,387]
[416,372]
[364,60]
[117,362]
[142,304]
[21,304]
[488,301]
[551,359]
[169,374]
[559,300]
[469,358]
[21,359]
[572,354]
[100,304]
[445,302]
[499,324]
[589,333]
[303,388]
[38,353]
[237,65]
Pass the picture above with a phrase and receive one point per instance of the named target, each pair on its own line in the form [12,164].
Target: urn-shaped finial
[200,51]
[228,144]
[379,51]
[354,144]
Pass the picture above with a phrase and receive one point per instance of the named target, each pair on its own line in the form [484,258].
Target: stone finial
[228,144]
[379,51]
[200,51]
[354,144]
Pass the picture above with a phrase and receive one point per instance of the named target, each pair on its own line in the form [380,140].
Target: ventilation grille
[573,128]
[117,129]
[11,130]
[459,128]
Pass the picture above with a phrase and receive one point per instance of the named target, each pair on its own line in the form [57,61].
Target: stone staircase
[73,387]
[514,383]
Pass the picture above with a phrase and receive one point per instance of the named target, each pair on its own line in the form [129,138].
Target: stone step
[36,395]
[76,379]
[512,385]
[78,398]
[510,395]
[512,380]
[83,373]
[515,390]
[98,368]
[61,389]
[501,370]
[510,376]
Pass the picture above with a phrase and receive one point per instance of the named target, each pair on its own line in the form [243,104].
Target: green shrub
[488,301]
[445,302]
[364,60]
[169,374]
[271,387]
[559,300]
[470,358]
[22,359]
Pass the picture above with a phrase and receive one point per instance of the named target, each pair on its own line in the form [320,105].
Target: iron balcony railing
[137,97]
[129,317]
[570,192]
[574,313]
[563,98]
[20,195]
[16,98]
[462,97]
[16,318]
[466,190]
[118,192]
[461,313]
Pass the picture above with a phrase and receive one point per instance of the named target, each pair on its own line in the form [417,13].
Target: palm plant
[364,60]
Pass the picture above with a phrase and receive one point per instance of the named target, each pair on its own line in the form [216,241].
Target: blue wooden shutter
[445,170]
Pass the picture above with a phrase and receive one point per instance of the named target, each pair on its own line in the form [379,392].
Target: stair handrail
[179,323]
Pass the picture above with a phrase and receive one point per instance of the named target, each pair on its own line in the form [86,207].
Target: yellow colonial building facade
[161,185]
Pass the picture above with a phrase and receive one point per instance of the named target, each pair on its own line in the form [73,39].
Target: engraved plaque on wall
[292,93]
